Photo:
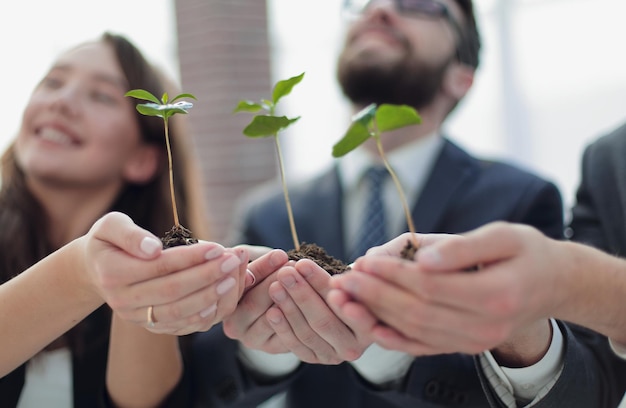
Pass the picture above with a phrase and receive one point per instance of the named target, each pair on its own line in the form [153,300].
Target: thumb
[119,230]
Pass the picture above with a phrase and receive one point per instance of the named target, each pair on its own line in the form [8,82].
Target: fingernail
[250,278]
[208,311]
[275,319]
[276,259]
[241,253]
[279,296]
[349,285]
[230,263]
[150,245]
[306,269]
[214,252]
[225,285]
[429,256]
[288,281]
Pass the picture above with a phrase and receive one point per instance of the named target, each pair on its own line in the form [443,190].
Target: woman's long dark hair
[23,222]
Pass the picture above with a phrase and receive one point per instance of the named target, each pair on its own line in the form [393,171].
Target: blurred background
[552,78]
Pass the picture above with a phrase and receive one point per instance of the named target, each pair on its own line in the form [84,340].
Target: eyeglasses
[427,8]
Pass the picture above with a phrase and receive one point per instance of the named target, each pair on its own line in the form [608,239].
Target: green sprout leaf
[284,87]
[248,106]
[373,120]
[160,108]
[183,95]
[391,117]
[143,95]
[266,125]
[357,134]
[365,115]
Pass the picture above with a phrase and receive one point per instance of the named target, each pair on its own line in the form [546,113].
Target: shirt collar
[405,161]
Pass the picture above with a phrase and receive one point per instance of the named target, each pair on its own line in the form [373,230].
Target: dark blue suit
[460,194]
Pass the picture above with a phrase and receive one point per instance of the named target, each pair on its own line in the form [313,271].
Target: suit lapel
[452,169]
[326,200]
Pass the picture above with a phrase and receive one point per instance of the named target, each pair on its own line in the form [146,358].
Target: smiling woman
[87,20]
[82,150]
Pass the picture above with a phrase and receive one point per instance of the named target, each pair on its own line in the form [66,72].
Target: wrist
[76,266]
[526,348]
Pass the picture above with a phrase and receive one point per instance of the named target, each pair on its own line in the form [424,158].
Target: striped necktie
[372,227]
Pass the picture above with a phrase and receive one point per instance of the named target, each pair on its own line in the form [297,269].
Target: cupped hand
[434,305]
[188,288]
[248,323]
[304,323]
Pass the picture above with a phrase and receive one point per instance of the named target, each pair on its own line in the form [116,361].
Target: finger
[318,316]
[400,272]
[268,264]
[112,279]
[439,326]
[391,339]
[354,314]
[494,242]
[255,336]
[193,302]
[181,280]
[287,337]
[314,275]
[118,229]
[488,290]
[254,251]
[245,275]
[252,307]
[395,246]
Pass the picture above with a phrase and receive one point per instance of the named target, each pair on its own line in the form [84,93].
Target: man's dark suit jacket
[462,193]
[599,220]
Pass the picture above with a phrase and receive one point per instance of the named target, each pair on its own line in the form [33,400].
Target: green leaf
[150,109]
[143,95]
[355,136]
[247,106]
[265,125]
[183,95]
[284,87]
[390,117]
[164,98]
[164,111]
[365,115]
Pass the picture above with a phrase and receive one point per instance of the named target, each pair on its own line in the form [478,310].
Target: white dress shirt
[48,380]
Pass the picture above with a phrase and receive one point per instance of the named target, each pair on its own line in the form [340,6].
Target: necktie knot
[376,176]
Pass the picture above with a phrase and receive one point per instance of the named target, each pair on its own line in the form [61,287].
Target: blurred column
[517,127]
[224,57]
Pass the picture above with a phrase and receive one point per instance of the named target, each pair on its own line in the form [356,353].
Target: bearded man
[284,346]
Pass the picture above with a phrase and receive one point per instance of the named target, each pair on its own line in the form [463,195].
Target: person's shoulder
[497,167]
[615,138]
[509,170]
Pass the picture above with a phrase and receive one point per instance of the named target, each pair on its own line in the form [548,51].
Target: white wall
[553,73]
[552,77]
[34,32]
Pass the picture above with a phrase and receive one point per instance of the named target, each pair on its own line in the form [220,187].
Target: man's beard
[406,82]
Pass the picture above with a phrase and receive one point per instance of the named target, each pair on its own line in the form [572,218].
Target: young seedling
[269,125]
[166,108]
[371,122]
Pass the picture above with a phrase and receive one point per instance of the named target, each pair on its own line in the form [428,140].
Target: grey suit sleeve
[587,379]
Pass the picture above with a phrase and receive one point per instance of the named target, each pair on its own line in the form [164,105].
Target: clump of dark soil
[318,255]
[409,251]
[178,236]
